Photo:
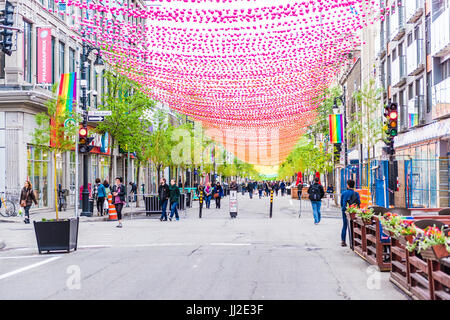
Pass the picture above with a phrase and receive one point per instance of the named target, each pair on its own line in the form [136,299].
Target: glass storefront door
[38,174]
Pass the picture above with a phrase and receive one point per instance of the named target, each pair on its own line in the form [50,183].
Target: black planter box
[57,235]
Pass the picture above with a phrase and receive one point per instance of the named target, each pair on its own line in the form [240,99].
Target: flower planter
[435,253]
[366,222]
[57,235]
[405,239]
[351,216]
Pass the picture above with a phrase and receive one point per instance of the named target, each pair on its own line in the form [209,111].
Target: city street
[251,257]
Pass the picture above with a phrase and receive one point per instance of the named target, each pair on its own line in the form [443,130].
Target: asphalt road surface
[251,257]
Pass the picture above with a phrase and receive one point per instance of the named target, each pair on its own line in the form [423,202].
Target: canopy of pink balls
[233,65]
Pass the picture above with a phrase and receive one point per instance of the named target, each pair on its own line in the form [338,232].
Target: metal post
[200,204]
[76,177]
[85,194]
[271,202]
[345,127]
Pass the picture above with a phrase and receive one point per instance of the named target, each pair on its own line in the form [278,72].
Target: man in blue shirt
[348,197]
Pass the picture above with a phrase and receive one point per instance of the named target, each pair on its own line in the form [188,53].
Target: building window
[394,55]
[445,67]
[71,60]
[27,52]
[61,58]
[51,4]
[410,91]
[38,174]
[410,39]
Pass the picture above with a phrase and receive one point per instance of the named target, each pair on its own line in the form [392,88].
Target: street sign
[233,201]
[69,122]
[96,118]
[99,113]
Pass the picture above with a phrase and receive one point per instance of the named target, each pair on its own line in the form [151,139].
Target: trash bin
[91,206]
[188,200]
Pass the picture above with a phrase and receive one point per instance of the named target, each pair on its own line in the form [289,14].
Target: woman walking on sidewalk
[27,198]
[118,192]
[218,194]
[174,192]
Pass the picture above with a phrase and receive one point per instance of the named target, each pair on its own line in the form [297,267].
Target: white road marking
[35,265]
[95,246]
[230,244]
[23,257]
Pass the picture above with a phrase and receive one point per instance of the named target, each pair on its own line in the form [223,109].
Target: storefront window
[59,169]
[94,166]
[37,169]
[104,168]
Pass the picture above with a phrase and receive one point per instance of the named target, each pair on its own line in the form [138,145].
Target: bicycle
[7,207]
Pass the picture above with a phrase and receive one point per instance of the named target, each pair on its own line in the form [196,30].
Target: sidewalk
[38,215]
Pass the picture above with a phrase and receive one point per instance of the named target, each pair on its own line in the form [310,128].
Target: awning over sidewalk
[432,131]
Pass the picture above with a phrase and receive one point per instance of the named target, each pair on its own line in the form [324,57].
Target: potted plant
[366,216]
[391,222]
[407,231]
[431,244]
[352,210]
[56,131]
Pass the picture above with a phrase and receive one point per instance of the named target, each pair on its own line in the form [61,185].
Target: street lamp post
[342,99]
[98,65]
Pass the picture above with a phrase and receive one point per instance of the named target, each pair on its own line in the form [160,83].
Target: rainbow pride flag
[67,92]
[336,128]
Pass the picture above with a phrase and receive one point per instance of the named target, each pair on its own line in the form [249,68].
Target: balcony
[414,10]
[441,99]
[399,72]
[440,34]
[415,58]
[416,111]
[397,23]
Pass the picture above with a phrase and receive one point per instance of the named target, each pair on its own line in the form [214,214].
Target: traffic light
[393,119]
[84,141]
[7,20]
[390,126]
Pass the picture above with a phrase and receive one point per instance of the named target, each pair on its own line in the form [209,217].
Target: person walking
[218,194]
[316,193]
[101,196]
[208,194]
[27,197]
[283,188]
[266,188]
[174,195]
[107,193]
[260,189]
[276,187]
[163,195]
[250,189]
[349,197]
[118,193]
[133,190]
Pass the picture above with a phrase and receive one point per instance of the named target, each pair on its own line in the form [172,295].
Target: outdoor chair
[422,224]
[444,212]
[401,211]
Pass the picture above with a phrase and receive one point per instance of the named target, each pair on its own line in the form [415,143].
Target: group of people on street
[210,191]
[166,193]
[118,192]
[263,188]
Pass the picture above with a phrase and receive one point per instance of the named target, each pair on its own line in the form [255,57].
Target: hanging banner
[336,128]
[44,55]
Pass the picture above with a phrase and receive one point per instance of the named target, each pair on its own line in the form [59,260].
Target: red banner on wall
[44,55]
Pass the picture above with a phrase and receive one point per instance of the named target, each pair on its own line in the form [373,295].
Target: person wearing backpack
[349,197]
[316,193]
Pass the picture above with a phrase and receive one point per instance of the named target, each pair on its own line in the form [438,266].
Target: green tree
[56,131]
[366,127]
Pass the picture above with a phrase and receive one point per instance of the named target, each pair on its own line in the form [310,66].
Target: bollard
[200,204]
[271,202]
